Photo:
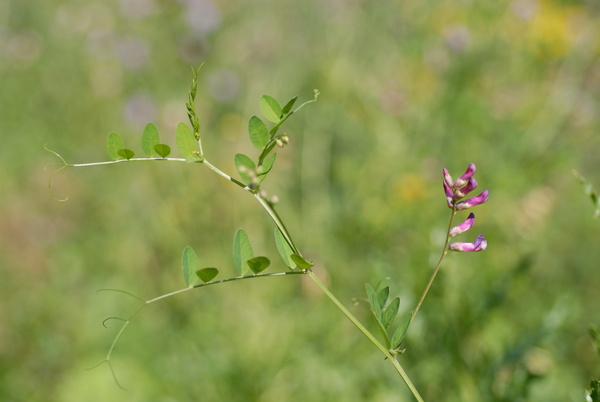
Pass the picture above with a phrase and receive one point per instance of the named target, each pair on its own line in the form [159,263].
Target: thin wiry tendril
[62,165]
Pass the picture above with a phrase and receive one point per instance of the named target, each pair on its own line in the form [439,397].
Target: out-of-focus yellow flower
[549,32]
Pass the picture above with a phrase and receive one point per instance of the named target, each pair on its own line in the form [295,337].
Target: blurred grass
[406,89]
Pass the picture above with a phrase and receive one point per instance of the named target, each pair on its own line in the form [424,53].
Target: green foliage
[126,153]
[400,332]
[242,252]
[270,108]
[150,138]
[191,265]
[390,312]
[163,150]
[266,167]
[288,106]
[259,133]
[207,274]
[301,262]
[191,106]
[259,264]
[284,249]
[385,314]
[186,142]
[114,144]
[244,166]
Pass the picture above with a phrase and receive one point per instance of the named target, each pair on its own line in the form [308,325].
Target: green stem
[369,335]
[437,267]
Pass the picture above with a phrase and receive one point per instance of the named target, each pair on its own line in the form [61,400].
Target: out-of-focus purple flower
[471,202]
[478,245]
[455,191]
[462,180]
[463,227]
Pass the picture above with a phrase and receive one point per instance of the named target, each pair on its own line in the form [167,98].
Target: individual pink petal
[449,195]
[471,202]
[462,180]
[447,178]
[462,192]
[478,245]
[463,227]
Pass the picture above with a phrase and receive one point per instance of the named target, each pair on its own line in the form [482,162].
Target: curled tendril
[62,165]
[112,318]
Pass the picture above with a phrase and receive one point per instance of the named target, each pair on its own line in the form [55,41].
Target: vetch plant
[266,138]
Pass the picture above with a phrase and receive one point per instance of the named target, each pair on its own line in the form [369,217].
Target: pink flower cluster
[455,192]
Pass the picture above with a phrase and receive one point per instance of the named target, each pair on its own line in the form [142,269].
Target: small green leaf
[301,262]
[284,249]
[186,142]
[389,314]
[207,274]
[259,264]
[259,133]
[373,301]
[150,138]
[288,106]
[244,165]
[163,150]
[270,108]
[267,166]
[382,296]
[242,252]
[114,143]
[126,153]
[191,264]
[400,333]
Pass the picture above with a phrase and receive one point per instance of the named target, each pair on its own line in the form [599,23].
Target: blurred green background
[407,88]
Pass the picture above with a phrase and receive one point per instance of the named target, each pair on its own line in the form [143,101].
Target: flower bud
[462,192]
[478,245]
[447,178]
[462,180]
[463,227]
[471,202]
